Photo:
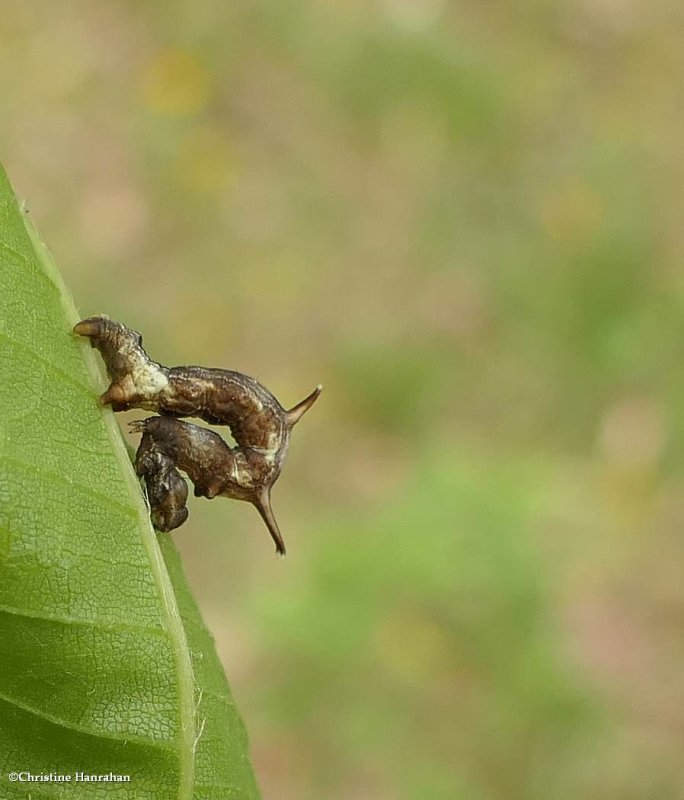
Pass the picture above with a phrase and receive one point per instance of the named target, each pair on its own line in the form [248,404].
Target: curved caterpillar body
[259,424]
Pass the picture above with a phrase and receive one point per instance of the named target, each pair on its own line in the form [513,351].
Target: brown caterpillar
[259,424]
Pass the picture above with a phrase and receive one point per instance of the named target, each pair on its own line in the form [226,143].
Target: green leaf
[105,665]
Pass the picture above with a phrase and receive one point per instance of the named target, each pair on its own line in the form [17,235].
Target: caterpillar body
[258,423]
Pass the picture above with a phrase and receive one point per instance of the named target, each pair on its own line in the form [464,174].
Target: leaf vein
[35,354]
[62,481]
[62,619]
[72,726]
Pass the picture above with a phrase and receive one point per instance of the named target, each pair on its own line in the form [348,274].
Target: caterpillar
[258,423]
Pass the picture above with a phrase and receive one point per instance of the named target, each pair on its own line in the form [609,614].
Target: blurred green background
[463,218]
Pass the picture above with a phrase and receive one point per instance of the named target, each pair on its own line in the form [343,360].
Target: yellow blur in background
[464,219]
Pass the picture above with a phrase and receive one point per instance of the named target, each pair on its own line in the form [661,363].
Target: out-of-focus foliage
[464,219]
